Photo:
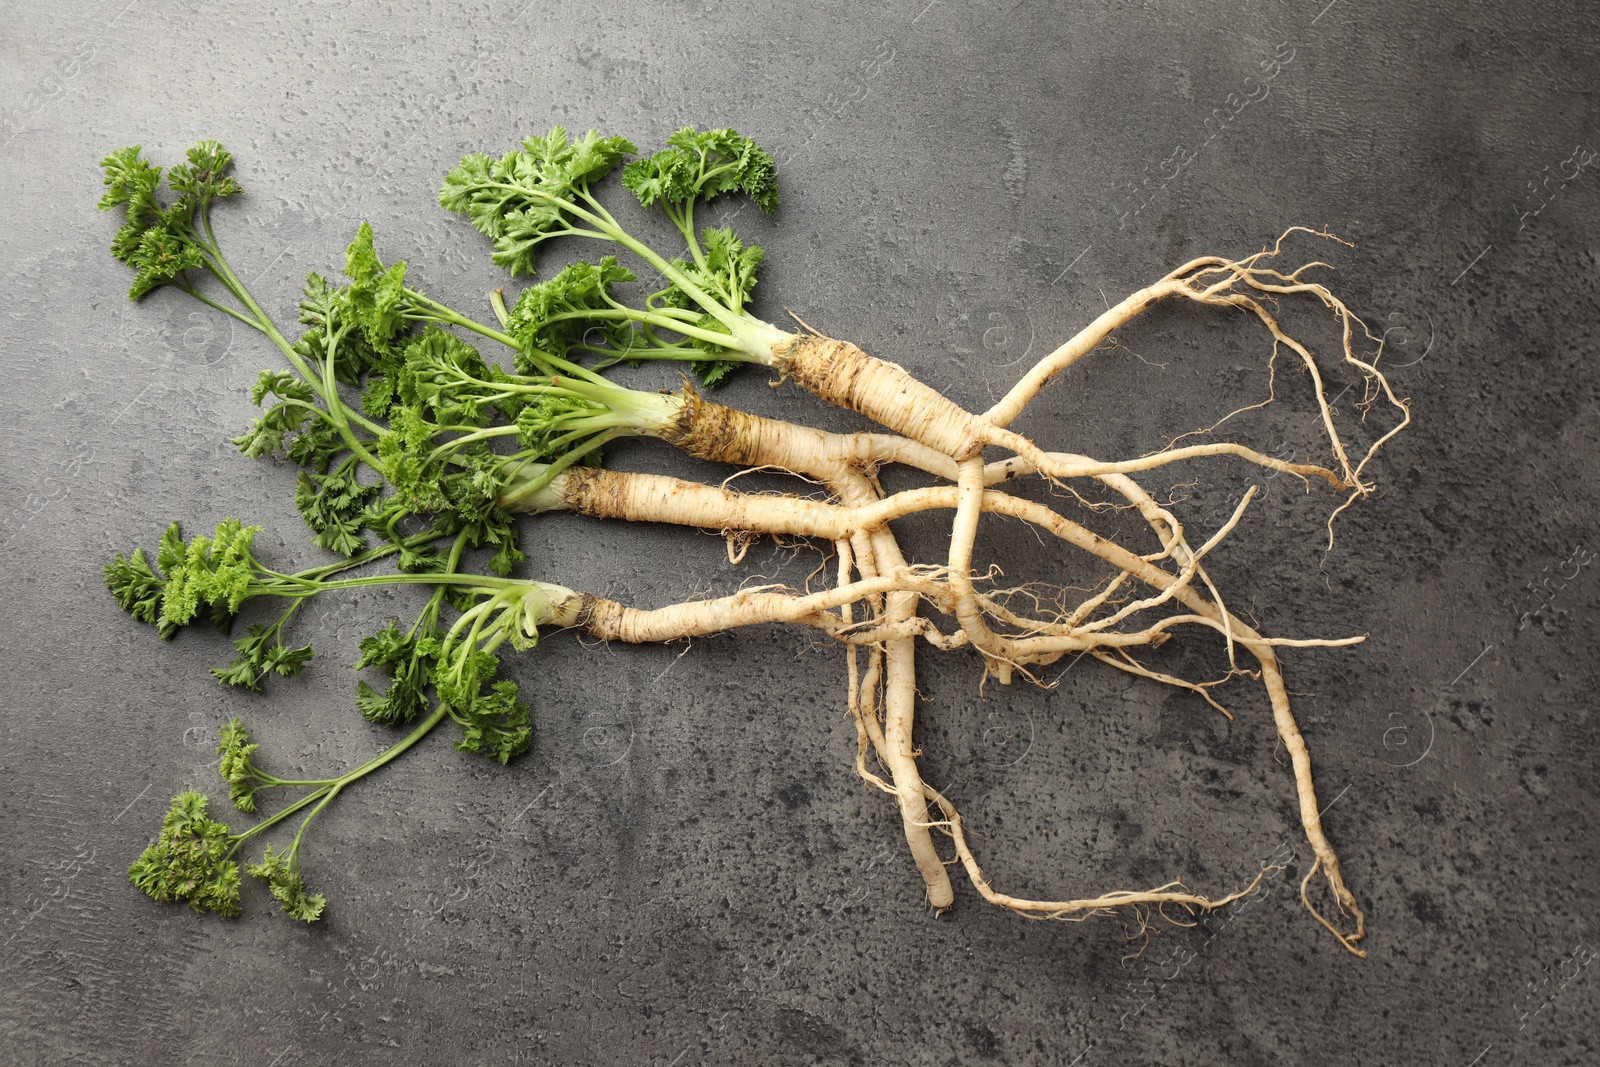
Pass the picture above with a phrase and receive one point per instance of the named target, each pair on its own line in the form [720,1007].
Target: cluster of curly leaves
[392,422]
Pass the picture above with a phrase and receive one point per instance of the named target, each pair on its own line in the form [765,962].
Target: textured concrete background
[686,869]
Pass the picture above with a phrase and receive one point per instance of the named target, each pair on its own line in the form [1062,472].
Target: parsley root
[446,454]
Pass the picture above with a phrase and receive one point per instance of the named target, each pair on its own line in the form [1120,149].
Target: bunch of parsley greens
[405,439]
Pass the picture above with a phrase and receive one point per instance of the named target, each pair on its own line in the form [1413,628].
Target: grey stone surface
[686,870]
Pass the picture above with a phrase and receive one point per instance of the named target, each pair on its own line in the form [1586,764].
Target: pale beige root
[1211,613]
[842,374]
[897,749]
[1080,639]
[1031,384]
[1170,532]
[1191,566]
[963,538]
[717,433]
[1310,812]
[854,698]
[1218,281]
[712,431]
[1073,639]
[609,494]
[1221,293]
[1068,465]
[721,434]
[1167,529]
[945,423]
[1075,910]
[612,621]
[1124,662]
[643,497]
[1002,653]
[868,386]
[937,433]
[760,606]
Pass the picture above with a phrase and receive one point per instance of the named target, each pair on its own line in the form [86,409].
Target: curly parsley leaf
[410,662]
[268,434]
[189,862]
[281,872]
[556,315]
[162,244]
[437,366]
[136,587]
[215,572]
[377,294]
[336,507]
[697,165]
[495,724]
[131,181]
[235,748]
[262,652]
[204,176]
[526,197]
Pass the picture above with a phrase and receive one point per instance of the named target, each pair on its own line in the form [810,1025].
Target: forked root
[1310,813]
[1084,908]
[894,742]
